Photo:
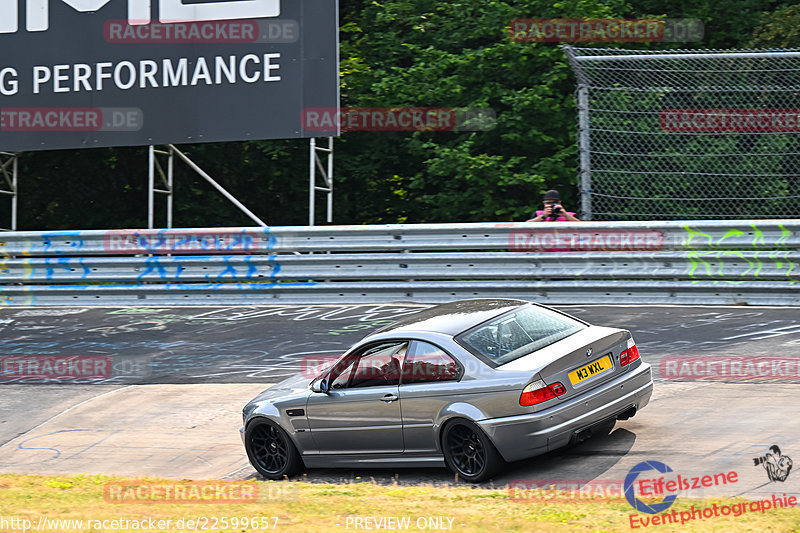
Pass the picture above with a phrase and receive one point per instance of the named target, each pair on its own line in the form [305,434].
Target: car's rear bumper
[522,436]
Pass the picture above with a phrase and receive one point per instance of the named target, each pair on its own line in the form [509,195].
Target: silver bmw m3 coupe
[471,384]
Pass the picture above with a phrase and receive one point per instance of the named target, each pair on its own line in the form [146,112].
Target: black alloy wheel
[270,450]
[469,453]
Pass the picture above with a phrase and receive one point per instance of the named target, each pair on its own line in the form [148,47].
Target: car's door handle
[389,398]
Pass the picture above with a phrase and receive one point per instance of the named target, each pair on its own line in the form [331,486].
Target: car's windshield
[518,333]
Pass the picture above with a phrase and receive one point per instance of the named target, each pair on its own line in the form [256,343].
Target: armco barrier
[694,262]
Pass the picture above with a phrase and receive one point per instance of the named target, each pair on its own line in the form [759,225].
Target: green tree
[459,55]
[778,29]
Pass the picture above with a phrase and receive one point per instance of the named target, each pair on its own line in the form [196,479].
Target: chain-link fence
[688,134]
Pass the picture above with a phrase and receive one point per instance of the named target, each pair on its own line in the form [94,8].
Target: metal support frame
[583,149]
[11,181]
[167,177]
[314,164]
[166,180]
[9,174]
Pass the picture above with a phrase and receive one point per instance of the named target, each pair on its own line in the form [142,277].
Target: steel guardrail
[589,262]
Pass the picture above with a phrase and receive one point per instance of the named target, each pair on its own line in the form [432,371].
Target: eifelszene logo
[667,484]
[630,481]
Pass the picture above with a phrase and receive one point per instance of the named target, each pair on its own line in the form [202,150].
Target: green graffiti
[784,235]
[704,267]
[692,233]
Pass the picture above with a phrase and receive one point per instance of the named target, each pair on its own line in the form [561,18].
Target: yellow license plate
[592,369]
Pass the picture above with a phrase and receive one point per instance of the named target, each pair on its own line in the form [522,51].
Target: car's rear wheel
[469,453]
[270,450]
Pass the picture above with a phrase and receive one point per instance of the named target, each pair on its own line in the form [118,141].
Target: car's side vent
[295,412]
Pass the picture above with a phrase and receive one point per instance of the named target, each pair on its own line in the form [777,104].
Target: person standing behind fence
[553,210]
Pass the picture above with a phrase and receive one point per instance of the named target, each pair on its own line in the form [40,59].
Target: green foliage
[728,24]
[779,29]
[459,55]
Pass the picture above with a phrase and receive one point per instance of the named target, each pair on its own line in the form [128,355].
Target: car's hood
[292,385]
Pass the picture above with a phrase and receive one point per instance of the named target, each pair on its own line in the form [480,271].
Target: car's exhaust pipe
[603,427]
[582,435]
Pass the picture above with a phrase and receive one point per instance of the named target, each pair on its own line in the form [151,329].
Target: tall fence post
[585,154]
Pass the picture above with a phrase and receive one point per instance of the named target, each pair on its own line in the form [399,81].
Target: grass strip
[150,504]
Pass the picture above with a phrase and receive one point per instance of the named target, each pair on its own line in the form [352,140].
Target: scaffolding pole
[154,166]
[11,180]
[326,171]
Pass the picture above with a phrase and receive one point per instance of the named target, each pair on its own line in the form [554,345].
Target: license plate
[592,369]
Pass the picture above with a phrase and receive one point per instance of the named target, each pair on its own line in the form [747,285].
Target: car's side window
[377,365]
[341,374]
[426,362]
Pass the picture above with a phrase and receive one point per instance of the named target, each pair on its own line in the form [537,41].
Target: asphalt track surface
[168,403]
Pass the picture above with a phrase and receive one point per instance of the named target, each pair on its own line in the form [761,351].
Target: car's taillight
[538,392]
[630,355]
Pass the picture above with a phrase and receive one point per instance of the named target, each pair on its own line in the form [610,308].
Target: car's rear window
[518,333]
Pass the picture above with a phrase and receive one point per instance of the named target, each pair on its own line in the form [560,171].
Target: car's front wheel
[469,453]
[270,450]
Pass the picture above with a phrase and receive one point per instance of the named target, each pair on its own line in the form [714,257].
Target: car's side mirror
[320,385]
